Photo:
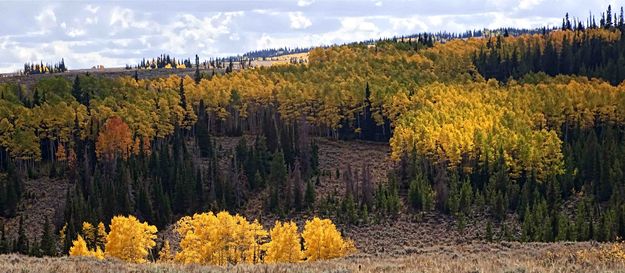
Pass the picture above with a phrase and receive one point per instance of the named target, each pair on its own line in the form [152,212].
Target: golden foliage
[89,232]
[79,248]
[165,255]
[285,244]
[449,123]
[129,239]
[100,238]
[323,241]
[62,234]
[219,239]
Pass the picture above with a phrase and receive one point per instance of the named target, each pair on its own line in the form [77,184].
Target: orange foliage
[114,139]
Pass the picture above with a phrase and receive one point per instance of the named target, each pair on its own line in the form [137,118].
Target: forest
[519,125]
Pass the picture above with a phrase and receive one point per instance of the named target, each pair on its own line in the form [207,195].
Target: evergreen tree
[21,246]
[48,242]
[420,193]
[202,135]
[309,195]
[277,179]
[4,243]
[296,181]
[489,231]
[197,75]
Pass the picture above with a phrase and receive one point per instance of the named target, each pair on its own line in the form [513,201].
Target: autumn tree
[285,244]
[323,241]
[165,255]
[129,239]
[219,239]
[79,248]
[114,140]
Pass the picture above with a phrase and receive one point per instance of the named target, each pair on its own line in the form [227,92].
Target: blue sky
[115,33]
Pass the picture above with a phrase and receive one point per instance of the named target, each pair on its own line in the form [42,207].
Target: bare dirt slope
[44,198]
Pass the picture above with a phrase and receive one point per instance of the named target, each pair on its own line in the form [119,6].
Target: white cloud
[528,4]
[304,3]
[121,17]
[75,32]
[357,25]
[122,42]
[499,20]
[91,20]
[187,32]
[299,21]
[408,25]
[92,9]
[114,33]
[351,29]
[46,20]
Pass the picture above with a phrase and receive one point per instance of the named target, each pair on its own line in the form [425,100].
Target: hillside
[504,151]
[45,198]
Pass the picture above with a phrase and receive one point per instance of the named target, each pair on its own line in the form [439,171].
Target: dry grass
[280,60]
[502,257]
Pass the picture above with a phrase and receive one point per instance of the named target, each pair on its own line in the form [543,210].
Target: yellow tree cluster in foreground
[222,238]
[216,239]
[128,239]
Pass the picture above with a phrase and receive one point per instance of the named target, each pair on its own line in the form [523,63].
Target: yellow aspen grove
[129,239]
[285,244]
[323,241]
[219,239]
[79,247]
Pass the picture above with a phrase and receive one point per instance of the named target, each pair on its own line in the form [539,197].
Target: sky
[116,33]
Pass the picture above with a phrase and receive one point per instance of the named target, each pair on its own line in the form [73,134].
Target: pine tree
[296,181]
[349,210]
[48,242]
[466,196]
[277,180]
[562,228]
[420,193]
[367,186]
[608,17]
[489,231]
[4,243]
[309,196]
[21,245]
[197,75]
[77,91]
[202,135]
